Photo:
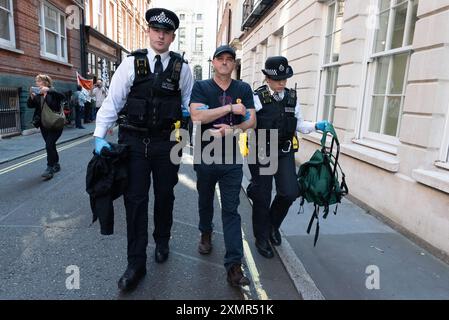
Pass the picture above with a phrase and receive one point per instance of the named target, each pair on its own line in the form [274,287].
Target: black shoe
[48,173]
[81,127]
[56,168]
[131,278]
[264,248]
[275,237]
[161,253]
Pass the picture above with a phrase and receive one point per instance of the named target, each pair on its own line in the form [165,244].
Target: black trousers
[266,214]
[148,158]
[50,138]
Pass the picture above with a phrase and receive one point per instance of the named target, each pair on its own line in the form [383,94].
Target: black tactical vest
[278,115]
[154,102]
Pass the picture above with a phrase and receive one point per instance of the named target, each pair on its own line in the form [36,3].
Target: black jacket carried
[106,180]
[53,99]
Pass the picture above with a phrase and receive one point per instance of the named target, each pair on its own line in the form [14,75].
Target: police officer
[146,95]
[276,108]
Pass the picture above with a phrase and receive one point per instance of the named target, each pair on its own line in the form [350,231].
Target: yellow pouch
[295,143]
[243,144]
[177,126]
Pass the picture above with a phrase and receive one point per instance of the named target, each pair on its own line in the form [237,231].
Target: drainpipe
[83,45]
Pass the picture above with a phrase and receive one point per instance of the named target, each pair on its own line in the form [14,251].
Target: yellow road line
[251,264]
[41,156]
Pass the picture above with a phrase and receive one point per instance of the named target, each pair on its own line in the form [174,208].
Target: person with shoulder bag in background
[41,96]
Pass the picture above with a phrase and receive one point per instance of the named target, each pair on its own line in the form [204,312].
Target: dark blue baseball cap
[224,49]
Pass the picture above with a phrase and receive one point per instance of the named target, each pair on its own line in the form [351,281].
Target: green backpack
[319,181]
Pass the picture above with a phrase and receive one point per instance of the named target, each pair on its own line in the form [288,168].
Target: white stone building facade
[379,71]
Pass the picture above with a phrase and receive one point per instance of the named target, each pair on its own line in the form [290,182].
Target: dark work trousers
[229,179]
[155,162]
[265,216]
[50,137]
[78,115]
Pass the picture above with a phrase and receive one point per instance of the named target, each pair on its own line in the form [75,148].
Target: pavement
[357,255]
[16,147]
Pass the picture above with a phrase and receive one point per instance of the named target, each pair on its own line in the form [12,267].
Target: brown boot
[205,245]
[236,277]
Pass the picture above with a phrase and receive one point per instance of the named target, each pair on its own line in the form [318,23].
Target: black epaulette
[178,56]
[264,94]
[141,64]
[138,52]
[177,65]
[292,98]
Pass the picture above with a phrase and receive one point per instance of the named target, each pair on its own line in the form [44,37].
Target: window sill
[57,61]
[377,146]
[314,137]
[367,152]
[372,156]
[442,165]
[12,49]
[436,179]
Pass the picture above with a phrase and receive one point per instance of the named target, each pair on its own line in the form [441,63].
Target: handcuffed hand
[101,143]
[221,131]
[239,109]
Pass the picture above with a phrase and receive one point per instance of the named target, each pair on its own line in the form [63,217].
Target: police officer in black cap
[276,108]
[146,96]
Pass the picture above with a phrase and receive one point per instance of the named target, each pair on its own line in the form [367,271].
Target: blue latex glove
[185,113]
[101,143]
[321,125]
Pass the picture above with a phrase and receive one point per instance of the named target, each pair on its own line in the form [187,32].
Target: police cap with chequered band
[277,68]
[162,18]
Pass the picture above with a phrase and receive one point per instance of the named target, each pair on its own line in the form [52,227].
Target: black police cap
[277,68]
[162,18]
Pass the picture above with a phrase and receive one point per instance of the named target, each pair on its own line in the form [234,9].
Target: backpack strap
[301,205]
[317,228]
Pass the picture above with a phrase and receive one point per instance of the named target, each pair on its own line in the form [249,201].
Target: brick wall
[17,70]
[30,63]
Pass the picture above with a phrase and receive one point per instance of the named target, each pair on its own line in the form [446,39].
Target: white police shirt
[302,126]
[121,84]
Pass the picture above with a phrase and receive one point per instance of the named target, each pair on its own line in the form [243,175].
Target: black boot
[264,248]
[48,173]
[161,253]
[131,278]
[56,168]
[275,237]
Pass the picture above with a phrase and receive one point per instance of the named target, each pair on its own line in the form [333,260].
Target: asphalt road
[46,238]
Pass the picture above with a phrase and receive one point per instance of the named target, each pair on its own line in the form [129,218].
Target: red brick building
[37,36]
